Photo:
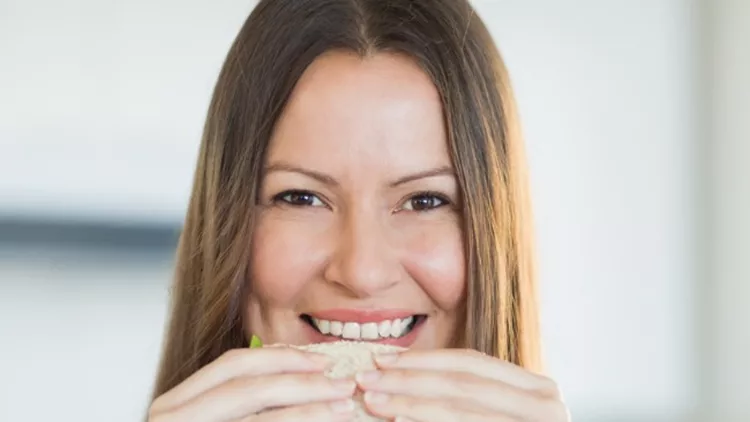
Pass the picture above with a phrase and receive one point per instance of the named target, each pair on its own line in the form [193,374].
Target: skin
[354,238]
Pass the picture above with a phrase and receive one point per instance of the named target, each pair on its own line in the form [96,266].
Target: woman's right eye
[299,198]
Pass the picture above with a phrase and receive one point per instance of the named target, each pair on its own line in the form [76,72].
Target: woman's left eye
[424,202]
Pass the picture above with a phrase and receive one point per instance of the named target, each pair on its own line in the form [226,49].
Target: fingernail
[402,419]
[367,377]
[344,384]
[342,406]
[373,397]
[385,358]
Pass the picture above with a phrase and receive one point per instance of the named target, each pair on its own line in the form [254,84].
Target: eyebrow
[438,171]
[328,180]
[321,177]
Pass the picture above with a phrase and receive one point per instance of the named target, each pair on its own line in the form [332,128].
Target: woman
[361,176]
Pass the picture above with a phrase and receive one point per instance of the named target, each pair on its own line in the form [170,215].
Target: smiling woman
[361,177]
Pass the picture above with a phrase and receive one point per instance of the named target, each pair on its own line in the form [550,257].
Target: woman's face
[359,230]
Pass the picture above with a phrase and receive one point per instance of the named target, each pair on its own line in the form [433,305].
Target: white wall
[81,332]
[120,88]
[608,93]
[728,289]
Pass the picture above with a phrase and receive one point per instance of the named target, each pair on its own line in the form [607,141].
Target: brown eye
[424,202]
[299,198]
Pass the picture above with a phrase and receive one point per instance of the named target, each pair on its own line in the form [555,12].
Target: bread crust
[351,357]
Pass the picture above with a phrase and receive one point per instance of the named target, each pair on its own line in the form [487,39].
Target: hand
[258,385]
[458,385]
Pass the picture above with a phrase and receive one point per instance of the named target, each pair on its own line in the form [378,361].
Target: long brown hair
[274,47]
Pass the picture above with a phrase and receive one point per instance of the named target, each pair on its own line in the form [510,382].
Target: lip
[315,336]
[362,315]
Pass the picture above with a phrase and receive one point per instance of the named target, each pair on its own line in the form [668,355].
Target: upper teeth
[366,331]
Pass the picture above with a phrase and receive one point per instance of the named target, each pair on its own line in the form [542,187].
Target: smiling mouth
[386,329]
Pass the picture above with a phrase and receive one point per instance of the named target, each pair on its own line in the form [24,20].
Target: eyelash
[435,196]
[283,198]
[280,198]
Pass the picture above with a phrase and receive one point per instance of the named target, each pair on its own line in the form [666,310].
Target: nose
[365,261]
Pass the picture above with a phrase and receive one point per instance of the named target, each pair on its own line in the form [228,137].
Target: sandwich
[351,357]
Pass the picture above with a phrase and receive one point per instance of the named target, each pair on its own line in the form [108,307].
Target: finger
[470,361]
[422,409]
[483,393]
[240,363]
[340,410]
[241,397]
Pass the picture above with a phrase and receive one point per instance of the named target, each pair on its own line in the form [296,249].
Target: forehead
[379,111]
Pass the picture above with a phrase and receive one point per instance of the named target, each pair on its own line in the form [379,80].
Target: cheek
[434,256]
[286,255]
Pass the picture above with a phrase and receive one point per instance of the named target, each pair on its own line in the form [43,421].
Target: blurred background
[637,118]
